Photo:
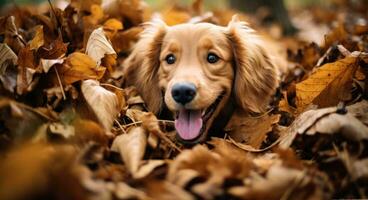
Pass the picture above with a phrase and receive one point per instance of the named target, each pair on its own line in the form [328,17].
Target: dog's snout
[183,92]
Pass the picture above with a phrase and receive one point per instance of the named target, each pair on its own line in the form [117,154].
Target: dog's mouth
[191,124]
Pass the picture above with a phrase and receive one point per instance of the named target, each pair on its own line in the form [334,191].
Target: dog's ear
[140,68]
[256,78]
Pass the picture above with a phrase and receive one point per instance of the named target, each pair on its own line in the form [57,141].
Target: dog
[201,73]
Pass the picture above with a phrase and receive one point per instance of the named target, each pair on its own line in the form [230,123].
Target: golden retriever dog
[202,73]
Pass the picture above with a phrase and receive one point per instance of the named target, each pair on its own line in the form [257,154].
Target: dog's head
[194,69]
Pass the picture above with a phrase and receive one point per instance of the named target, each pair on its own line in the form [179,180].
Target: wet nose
[183,92]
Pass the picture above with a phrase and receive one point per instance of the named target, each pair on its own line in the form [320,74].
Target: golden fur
[244,72]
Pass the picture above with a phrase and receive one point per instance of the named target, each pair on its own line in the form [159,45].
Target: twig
[140,122]
[121,127]
[262,114]
[109,85]
[59,25]
[60,84]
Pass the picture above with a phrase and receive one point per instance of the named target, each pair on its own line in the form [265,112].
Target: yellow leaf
[328,85]
[112,26]
[95,17]
[175,16]
[38,39]
[79,66]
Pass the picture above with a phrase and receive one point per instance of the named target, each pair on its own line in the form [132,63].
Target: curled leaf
[104,103]
[98,46]
[79,66]
[131,147]
[8,73]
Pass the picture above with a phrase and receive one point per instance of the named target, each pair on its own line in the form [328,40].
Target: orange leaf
[328,85]
[79,66]
[37,40]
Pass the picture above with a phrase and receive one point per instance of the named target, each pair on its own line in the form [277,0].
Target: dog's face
[194,69]
[196,76]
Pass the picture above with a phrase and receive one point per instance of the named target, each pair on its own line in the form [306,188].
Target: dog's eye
[212,58]
[170,59]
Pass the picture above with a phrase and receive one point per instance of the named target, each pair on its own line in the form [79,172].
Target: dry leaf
[12,37]
[78,66]
[124,191]
[96,16]
[25,80]
[328,85]
[37,40]
[55,50]
[98,45]
[250,130]
[174,16]
[104,103]
[167,191]
[281,183]
[112,26]
[326,121]
[129,10]
[131,147]
[46,64]
[8,72]
[146,168]
[6,54]
[65,131]
[39,169]
[124,41]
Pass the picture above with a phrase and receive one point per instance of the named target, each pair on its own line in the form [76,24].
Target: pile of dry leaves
[69,131]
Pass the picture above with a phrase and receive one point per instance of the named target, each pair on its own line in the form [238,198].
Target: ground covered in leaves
[68,130]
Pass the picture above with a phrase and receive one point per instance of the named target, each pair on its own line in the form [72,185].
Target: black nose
[183,92]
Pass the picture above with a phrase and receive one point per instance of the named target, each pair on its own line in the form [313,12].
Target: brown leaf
[129,10]
[12,37]
[27,67]
[282,183]
[166,191]
[8,73]
[174,16]
[112,26]
[87,131]
[98,45]
[250,130]
[328,85]
[92,20]
[55,50]
[146,168]
[79,66]
[327,121]
[131,147]
[104,103]
[21,121]
[33,167]
[123,41]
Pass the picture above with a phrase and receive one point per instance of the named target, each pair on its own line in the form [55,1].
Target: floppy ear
[256,78]
[140,68]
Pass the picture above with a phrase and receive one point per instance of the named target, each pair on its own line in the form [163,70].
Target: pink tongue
[188,124]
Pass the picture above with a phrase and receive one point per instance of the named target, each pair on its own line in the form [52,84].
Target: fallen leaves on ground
[69,131]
